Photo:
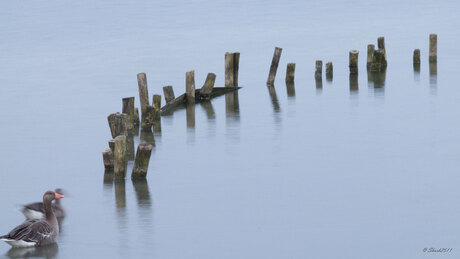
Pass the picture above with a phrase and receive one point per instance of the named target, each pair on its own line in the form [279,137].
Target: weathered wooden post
[417,56]
[229,69]
[120,157]
[136,117]
[190,86]
[433,48]
[290,73]
[319,69]
[118,124]
[378,63]
[381,45]
[157,117]
[147,118]
[329,71]
[156,101]
[141,164]
[112,145]
[107,156]
[206,90]
[370,54]
[354,62]
[274,66]
[143,91]
[236,67]
[168,91]
[128,108]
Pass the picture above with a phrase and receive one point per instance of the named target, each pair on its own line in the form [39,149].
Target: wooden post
[128,108]
[378,61]
[107,155]
[417,56]
[112,145]
[147,118]
[156,103]
[143,91]
[190,86]
[120,157]
[147,137]
[229,69]
[381,45]
[141,164]
[157,116]
[290,73]
[354,61]
[433,47]
[169,93]
[274,66]
[236,67]
[118,124]
[329,71]
[319,69]
[130,147]
[370,54]
[136,117]
[206,90]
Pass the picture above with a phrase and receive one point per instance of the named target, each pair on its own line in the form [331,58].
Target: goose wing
[31,231]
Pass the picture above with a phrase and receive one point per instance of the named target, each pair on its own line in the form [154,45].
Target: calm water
[354,169]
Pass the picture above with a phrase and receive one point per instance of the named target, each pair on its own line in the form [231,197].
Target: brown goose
[37,211]
[36,232]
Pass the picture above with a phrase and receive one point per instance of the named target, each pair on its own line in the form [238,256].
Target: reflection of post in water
[48,251]
[147,136]
[274,98]
[190,110]
[290,87]
[379,78]
[353,82]
[141,188]
[120,193]
[207,106]
[232,104]
[433,74]
[319,85]
[417,72]
[130,146]
[108,177]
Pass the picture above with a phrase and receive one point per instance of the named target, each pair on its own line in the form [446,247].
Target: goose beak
[58,196]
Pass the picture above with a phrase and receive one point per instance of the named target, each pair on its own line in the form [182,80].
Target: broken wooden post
[147,118]
[433,48]
[370,54]
[120,157]
[290,73]
[190,86]
[378,63]
[417,56]
[128,108]
[107,156]
[381,46]
[353,62]
[236,67]
[329,71]
[136,117]
[169,93]
[229,69]
[143,91]
[206,90]
[118,124]
[318,69]
[141,163]
[274,66]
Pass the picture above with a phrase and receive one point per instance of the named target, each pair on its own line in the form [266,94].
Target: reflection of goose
[36,232]
[37,211]
[49,251]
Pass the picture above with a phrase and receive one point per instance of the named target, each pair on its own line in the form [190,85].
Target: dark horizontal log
[180,101]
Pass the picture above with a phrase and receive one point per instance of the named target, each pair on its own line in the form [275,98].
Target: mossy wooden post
[157,117]
[381,45]
[107,156]
[147,118]
[112,145]
[319,69]
[156,101]
[229,69]
[274,66]
[168,92]
[128,108]
[136,117]
[370,54]
[141,163]
[290,73]
[417,56]
[353,65]
[433,48]
[378,61]
[190,86]
[236,67]
[329,71]
[118,124]
[206,90]
[143,91]
[120,157]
